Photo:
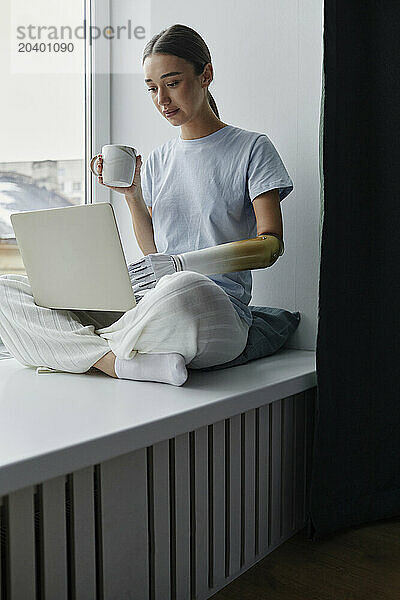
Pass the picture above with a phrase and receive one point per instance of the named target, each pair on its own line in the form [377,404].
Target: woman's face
[184,90]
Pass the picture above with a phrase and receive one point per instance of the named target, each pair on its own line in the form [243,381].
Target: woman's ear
[208,74]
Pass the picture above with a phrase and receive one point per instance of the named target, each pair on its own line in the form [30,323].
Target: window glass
[42,123]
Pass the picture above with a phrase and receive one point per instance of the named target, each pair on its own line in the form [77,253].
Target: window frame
[97,95]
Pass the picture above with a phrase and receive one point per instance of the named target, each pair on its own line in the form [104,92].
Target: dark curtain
[356,453]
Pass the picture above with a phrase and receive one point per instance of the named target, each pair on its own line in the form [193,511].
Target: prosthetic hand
[255,253]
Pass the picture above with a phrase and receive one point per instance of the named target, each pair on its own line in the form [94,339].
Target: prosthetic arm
[255,253]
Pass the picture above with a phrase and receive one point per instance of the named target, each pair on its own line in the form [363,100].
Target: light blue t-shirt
[201,194]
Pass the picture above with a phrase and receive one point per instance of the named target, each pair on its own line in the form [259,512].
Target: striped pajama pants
[186,312]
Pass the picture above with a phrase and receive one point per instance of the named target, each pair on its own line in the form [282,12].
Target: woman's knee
[9,279]
[183,279]
[186,287]
[8,284]
[4,279]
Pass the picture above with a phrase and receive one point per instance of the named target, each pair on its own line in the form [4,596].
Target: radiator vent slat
[287,433]
[276,464]
[70,540]
[83,530]
[235,487]
[150,520]
[242,485]
[181,562]
[228,498]
[210,452]
[263,474]
[300,460]
[256,482]
[172,518]
[201,511]
[193,526]
[2,538]
[4,550]
[22,543]
[162,566]
[249,488]
[270,473]
[98,534]
[39,542]
[55,539]
[282,458]
[219,503]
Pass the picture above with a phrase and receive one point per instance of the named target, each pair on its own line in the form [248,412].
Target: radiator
[176,520]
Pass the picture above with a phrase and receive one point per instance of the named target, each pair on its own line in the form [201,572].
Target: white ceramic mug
[119,165]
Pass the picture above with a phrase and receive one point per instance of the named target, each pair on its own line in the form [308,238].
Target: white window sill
[55,423]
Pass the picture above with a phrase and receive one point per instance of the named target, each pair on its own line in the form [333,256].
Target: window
[43,126]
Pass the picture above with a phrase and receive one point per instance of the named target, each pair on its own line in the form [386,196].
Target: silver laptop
[73,257]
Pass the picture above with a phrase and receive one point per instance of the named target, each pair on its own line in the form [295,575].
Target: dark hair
[180,40]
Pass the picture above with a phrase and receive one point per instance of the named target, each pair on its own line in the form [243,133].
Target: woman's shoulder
[247,133]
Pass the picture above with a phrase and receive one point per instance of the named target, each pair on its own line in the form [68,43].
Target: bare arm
[142,224]
[267,209]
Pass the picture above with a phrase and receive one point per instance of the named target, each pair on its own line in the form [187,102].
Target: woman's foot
[107,364]
[164,368]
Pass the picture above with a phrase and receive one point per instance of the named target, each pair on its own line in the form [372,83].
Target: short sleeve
[266,170]
[147,181]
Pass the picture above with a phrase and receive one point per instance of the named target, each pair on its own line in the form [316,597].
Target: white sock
[164,368]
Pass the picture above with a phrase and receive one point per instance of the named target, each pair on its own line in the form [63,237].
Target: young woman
[213,184]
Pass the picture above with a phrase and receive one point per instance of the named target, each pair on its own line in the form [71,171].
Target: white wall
[267,59]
